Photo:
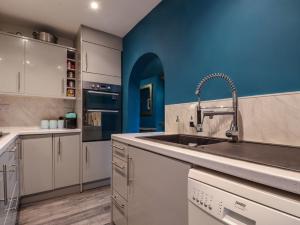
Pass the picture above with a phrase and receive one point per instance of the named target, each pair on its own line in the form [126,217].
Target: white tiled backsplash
[29,111]
[266,118]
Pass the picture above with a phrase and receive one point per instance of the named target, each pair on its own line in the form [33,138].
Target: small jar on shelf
[70,92]
[71,74]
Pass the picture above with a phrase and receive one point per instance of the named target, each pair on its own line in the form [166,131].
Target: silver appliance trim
[103,93]
[102,110]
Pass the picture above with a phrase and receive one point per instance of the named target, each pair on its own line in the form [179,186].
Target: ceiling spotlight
[94,5]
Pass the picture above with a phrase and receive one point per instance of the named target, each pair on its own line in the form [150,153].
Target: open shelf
[71,81]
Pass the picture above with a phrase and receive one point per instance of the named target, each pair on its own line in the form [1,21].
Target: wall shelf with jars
[71,79]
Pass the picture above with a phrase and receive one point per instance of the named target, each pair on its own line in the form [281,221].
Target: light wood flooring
[88,208]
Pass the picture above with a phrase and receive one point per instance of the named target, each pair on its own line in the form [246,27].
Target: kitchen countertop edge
[270,176]
[15,132]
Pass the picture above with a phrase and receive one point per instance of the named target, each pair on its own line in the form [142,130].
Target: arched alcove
[148,68]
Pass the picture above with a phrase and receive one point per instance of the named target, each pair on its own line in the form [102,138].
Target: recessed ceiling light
[94,5]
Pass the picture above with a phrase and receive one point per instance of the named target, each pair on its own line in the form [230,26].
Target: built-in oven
[102,114]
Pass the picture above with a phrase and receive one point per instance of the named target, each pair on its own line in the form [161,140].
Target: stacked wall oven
[102,114]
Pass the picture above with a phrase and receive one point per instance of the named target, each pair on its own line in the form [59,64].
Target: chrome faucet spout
[233,132]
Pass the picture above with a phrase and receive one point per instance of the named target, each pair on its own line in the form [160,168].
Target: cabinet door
[157,190]
[96,160]
[45,69]
[101,60]
[66,160]
[11,64]
[37,164]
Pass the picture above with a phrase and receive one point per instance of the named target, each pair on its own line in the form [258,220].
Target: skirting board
[96,184]
[29,199]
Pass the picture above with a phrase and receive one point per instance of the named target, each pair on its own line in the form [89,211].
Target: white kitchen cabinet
[36,159]
[101,38]
[98,59]
[66,160]
[9,183]
[11,64]
[157,191]
[96,161]
[45,69]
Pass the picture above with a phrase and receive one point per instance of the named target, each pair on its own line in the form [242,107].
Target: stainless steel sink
[184,140]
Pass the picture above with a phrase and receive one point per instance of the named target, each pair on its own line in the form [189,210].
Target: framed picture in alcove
[146,100]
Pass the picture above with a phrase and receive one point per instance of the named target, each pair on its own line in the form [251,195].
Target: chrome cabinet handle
[117,147]
[119,153]
[20,151]
[19,81]
[13,150]
[117,165]
[114,198]
[5,185]
[128,170]
[59,148]
[86,62]
[17,203]
[86,154]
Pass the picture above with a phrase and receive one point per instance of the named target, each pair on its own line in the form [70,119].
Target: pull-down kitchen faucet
[233,132]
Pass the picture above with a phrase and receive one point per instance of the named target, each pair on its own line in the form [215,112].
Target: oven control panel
[101,87]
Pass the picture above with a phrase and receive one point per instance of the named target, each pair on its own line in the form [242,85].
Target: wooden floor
[87,208]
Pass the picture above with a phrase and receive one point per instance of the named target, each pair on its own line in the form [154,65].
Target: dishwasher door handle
[233,218]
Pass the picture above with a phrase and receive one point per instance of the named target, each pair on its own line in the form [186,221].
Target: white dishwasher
[218,199]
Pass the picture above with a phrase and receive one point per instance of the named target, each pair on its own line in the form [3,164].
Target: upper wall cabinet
[101,60]
[45,69]
[101,38]
[11,64]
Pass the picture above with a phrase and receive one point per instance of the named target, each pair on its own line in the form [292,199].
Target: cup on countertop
[53,124]
[45,124]
[60,124]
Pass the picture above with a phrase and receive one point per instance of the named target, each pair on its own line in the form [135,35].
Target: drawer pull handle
[121,154]
[5,185]
[117,165]
[13,150]
[117,147]
[122,206]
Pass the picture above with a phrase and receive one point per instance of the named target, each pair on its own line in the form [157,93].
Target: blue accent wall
[255,42]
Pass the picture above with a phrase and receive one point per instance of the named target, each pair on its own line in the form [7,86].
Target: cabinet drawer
[120,150]
[119,175]
[119,210]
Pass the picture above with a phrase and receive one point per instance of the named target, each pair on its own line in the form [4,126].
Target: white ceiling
[115,16]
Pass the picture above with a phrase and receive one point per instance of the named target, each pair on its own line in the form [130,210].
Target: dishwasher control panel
[228,208]
[204,198]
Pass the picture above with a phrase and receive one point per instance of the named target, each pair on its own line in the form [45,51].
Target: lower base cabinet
[9,183]
[96,161]
[37,156]
[66,160]
[157,191]
[49,162]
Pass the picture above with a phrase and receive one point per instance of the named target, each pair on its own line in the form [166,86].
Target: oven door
[102,100]
[99,125]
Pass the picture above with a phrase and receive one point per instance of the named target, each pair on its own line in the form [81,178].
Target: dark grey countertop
[284,157]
